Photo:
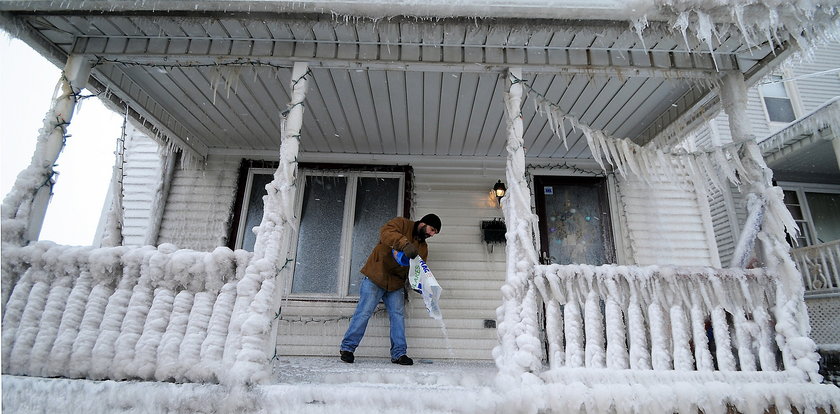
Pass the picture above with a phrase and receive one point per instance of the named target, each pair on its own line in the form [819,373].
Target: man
[385,280]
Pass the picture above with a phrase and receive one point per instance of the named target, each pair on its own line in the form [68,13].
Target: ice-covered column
[25,205]
[115,221]
[770,222]
[519,350]
[835,143]
[253,323]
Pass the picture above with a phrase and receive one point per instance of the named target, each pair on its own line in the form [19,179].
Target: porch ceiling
[217,83]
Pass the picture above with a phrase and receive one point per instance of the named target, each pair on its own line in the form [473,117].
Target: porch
[671,330]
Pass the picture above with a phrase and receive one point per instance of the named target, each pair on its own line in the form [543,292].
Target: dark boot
[347,356]
[403,360]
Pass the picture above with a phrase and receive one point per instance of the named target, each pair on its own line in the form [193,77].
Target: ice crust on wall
[117,312]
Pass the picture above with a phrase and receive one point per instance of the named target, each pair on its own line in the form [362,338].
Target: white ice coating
[518,352]
[117,312]
[679,309]
[827,115]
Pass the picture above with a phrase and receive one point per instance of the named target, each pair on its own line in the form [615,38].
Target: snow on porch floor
[298,385]
[327,385]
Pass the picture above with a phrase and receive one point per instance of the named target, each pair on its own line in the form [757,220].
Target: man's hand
[410,250]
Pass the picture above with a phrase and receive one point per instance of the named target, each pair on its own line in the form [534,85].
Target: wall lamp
[499,189]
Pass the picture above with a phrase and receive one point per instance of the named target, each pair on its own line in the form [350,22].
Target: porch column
[255,312]
[25,207]
[768,221]
[520,349]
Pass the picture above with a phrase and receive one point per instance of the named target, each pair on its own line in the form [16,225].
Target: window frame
[249,169]
[792,96]
[811,236]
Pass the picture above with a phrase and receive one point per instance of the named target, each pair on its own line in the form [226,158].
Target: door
[574,220]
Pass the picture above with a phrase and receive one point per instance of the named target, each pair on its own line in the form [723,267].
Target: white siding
[814,91]
[668,224]
[198,210]
[142,175]
[471,277]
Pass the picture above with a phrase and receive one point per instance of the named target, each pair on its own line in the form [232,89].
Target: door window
[574,220]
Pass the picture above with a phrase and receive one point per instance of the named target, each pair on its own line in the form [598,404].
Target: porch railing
[820,267]
[120,313]
[666,319]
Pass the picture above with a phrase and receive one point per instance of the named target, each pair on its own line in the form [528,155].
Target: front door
[574,220]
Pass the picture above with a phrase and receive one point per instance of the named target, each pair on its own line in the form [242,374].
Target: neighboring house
[291,131]
[795,115]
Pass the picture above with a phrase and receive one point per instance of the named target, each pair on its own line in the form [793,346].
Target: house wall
[142,175]
[198,209]
[470,273]
[668,222]
[808,93]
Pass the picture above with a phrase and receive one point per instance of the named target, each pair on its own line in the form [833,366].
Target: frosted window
[824,212]
[255,209]
[319,242]
[377,200]
[575,223]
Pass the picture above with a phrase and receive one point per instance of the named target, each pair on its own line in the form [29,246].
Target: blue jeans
[369,297]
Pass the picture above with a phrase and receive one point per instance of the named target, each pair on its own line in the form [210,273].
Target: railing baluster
[616,337]
[594,326]
[702,355]
[639,351]
[723,344]
[683,361]
[834,257]
[554,334]
[743,337]
[659,343]
[766,347]
[574,334]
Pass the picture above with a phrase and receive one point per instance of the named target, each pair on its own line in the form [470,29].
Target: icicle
[704,32]
[639,26]
[681,24]
[629,155]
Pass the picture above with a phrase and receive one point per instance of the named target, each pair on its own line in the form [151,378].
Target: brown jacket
[381,267]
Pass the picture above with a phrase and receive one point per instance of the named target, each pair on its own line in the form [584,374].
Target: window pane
[255,209]
[824,212]
[377,200]
[775,89]
[779,109]
[575,231]
[319,241]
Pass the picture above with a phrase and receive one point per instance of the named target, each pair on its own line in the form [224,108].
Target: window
[815,210]
[777,102]
[339,215]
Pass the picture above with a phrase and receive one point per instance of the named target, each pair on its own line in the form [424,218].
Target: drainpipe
[519,350]
[25,207]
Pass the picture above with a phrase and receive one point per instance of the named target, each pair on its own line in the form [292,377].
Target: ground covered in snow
[327,385]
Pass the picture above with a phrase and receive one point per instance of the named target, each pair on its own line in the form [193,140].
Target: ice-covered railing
[666,318]
[820,267]
[119,312]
